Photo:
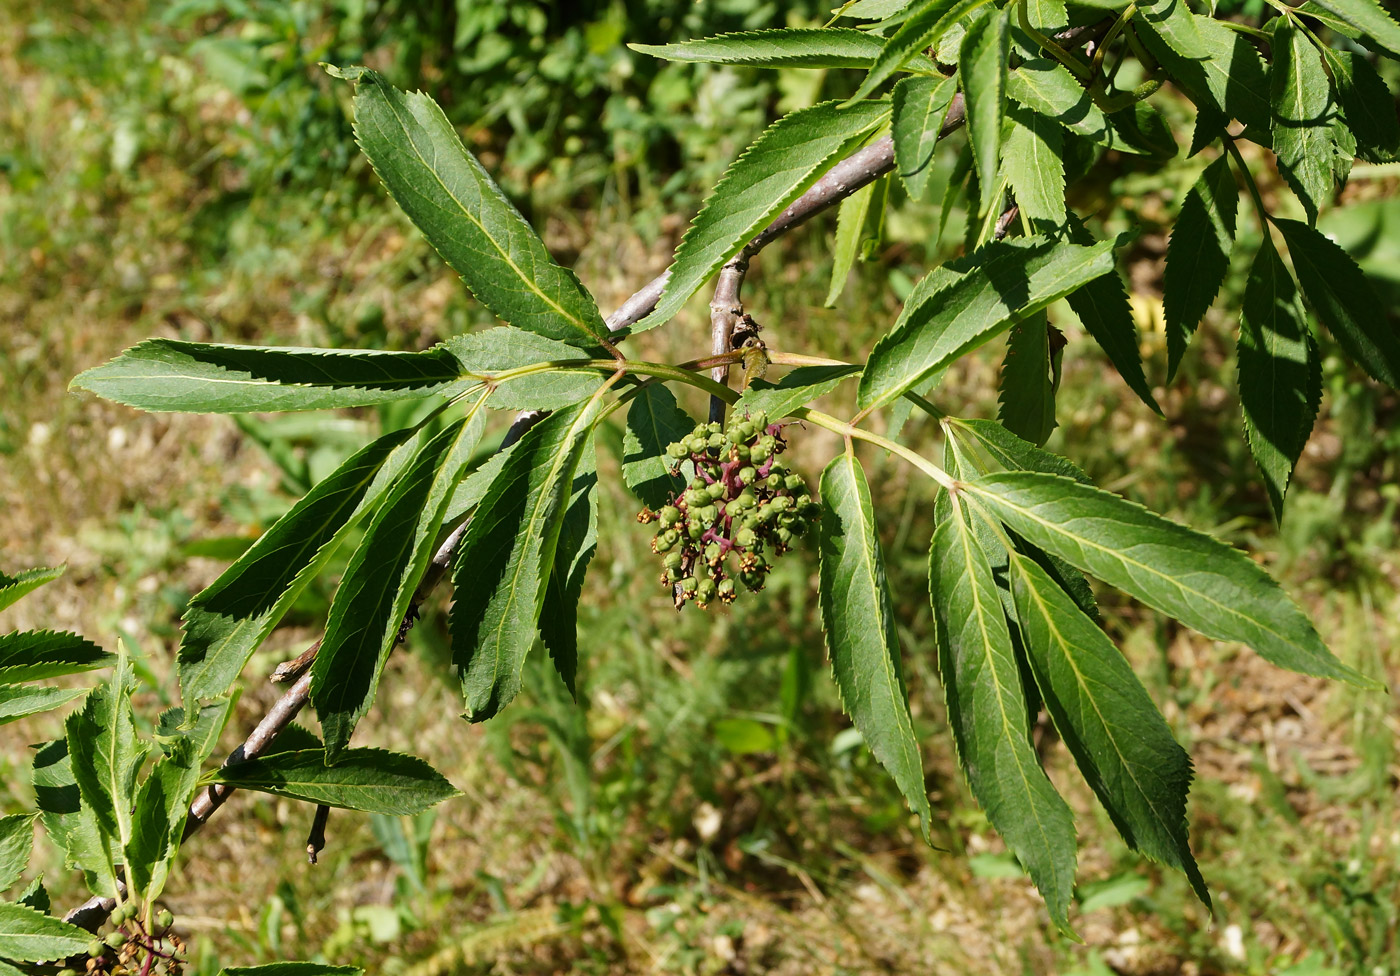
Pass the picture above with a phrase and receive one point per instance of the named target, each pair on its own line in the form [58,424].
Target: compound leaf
[106,753]
[1218,68]
[1198,256]
[922,29]
[507,555]
[446,191]
[1344,301]
[1050,89]
[790,47]
[986,711]
[1033,160]
[158,822]
[1207,585]
[227,620]
[1117,737]
[1027,398]
[1367,104]
[27,935]
[654,422]
[13,588]
[1280,372]
[946,316]
[787,158]
[370,605]
[31,655]
[919,108]
[16,842]
[858,617]
[982,65]
[1368,17]
[204,377]
[71,823]
[18,701]
[487,357]
[369,780]
[1300,93]
[578,541]
[797,388]
[850,231]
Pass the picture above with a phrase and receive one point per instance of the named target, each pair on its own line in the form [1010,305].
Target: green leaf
[1047,16]
[850,229]
[1207,585]
[200,377]
[578,541]
[507,555]
[1217,67]
[367,613]
[1367,104]
[1006,451]
[919,108]
[944,319]
[1103,310]
[106,752]
[791,47]
[30,936]
[797,388]
[986,711]
[17,701]
[69,822]
[787,158]
[1048,88]
[1300,93]
[203,732]
[13,588]
[1198,256]
[16,842]
[858,617]
[31,655]
[1114,731]
[292,969]
[1027,399]
[922,29]
[654,422]
[158,822]
[226,621]
[486,355]
[982,65]
[370,780]
[1370,18]
[1033,160]
[1280,372]
[1344,301]
[446,191]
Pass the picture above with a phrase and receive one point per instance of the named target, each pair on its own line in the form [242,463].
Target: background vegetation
[185,169]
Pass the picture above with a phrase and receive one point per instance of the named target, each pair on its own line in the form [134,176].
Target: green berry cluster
[742,501]
[147,947]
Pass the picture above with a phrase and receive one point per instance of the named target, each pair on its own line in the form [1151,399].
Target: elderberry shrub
[742,501]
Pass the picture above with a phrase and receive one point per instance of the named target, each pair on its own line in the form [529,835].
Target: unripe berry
[707,514]
[745,538]
[793,482]
[706,591]
[765,512]
[697,443]
[784,537]
[688,585]
[712,552]
[116,939]
[714,442]
[698,483]
[666,540]
[669,516]
[717,491]
[759,419]
[165,918]
[758,453]
[747,475]
[677,450]
[696,531]
[781,504]
[673,561]
[95,948]
[726,590]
